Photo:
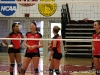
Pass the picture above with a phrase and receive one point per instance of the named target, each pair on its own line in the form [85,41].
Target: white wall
[78,10]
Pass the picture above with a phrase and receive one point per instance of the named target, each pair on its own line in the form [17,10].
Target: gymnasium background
[46,15]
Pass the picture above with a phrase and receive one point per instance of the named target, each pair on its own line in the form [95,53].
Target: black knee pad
[23,71]
[11,73]
[50,71]
[12,65]
[57,71]
[19,65]
[36,70]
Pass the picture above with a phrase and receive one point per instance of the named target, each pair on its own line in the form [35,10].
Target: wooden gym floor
[69,66]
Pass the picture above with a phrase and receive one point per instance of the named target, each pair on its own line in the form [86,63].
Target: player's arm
[54,45]
[53,49]
[92,43]
[22,40]
[41,44]
[49,47]
[25,43]
[51,53]
[4,41]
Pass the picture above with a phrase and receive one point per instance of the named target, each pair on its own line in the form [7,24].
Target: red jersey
[16,43]
[33,42]
[96,44]
[58,46]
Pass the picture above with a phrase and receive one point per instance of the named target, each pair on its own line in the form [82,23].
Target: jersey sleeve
[20,33]
[10,34]
[93,34]
[27,33]
[40,35]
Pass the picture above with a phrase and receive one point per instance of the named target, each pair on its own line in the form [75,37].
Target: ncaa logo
[8,9]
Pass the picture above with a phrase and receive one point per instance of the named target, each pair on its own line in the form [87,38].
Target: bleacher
[72,29]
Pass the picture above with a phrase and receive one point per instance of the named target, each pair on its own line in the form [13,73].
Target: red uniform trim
[33,42]
[58,46]
[96,44]
[16,43]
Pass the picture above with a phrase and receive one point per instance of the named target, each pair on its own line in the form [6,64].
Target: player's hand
[49,47]
[21,45]
[92,51]
[30,47]
[33,47]
[50,58]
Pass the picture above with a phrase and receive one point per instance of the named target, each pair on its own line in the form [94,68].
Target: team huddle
[32,49]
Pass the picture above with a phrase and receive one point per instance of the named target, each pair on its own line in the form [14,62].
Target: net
[44,12]
[47,13]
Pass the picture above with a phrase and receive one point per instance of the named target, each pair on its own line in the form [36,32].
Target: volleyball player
[56,54]
[96,46]
[14,51]
[32,51]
